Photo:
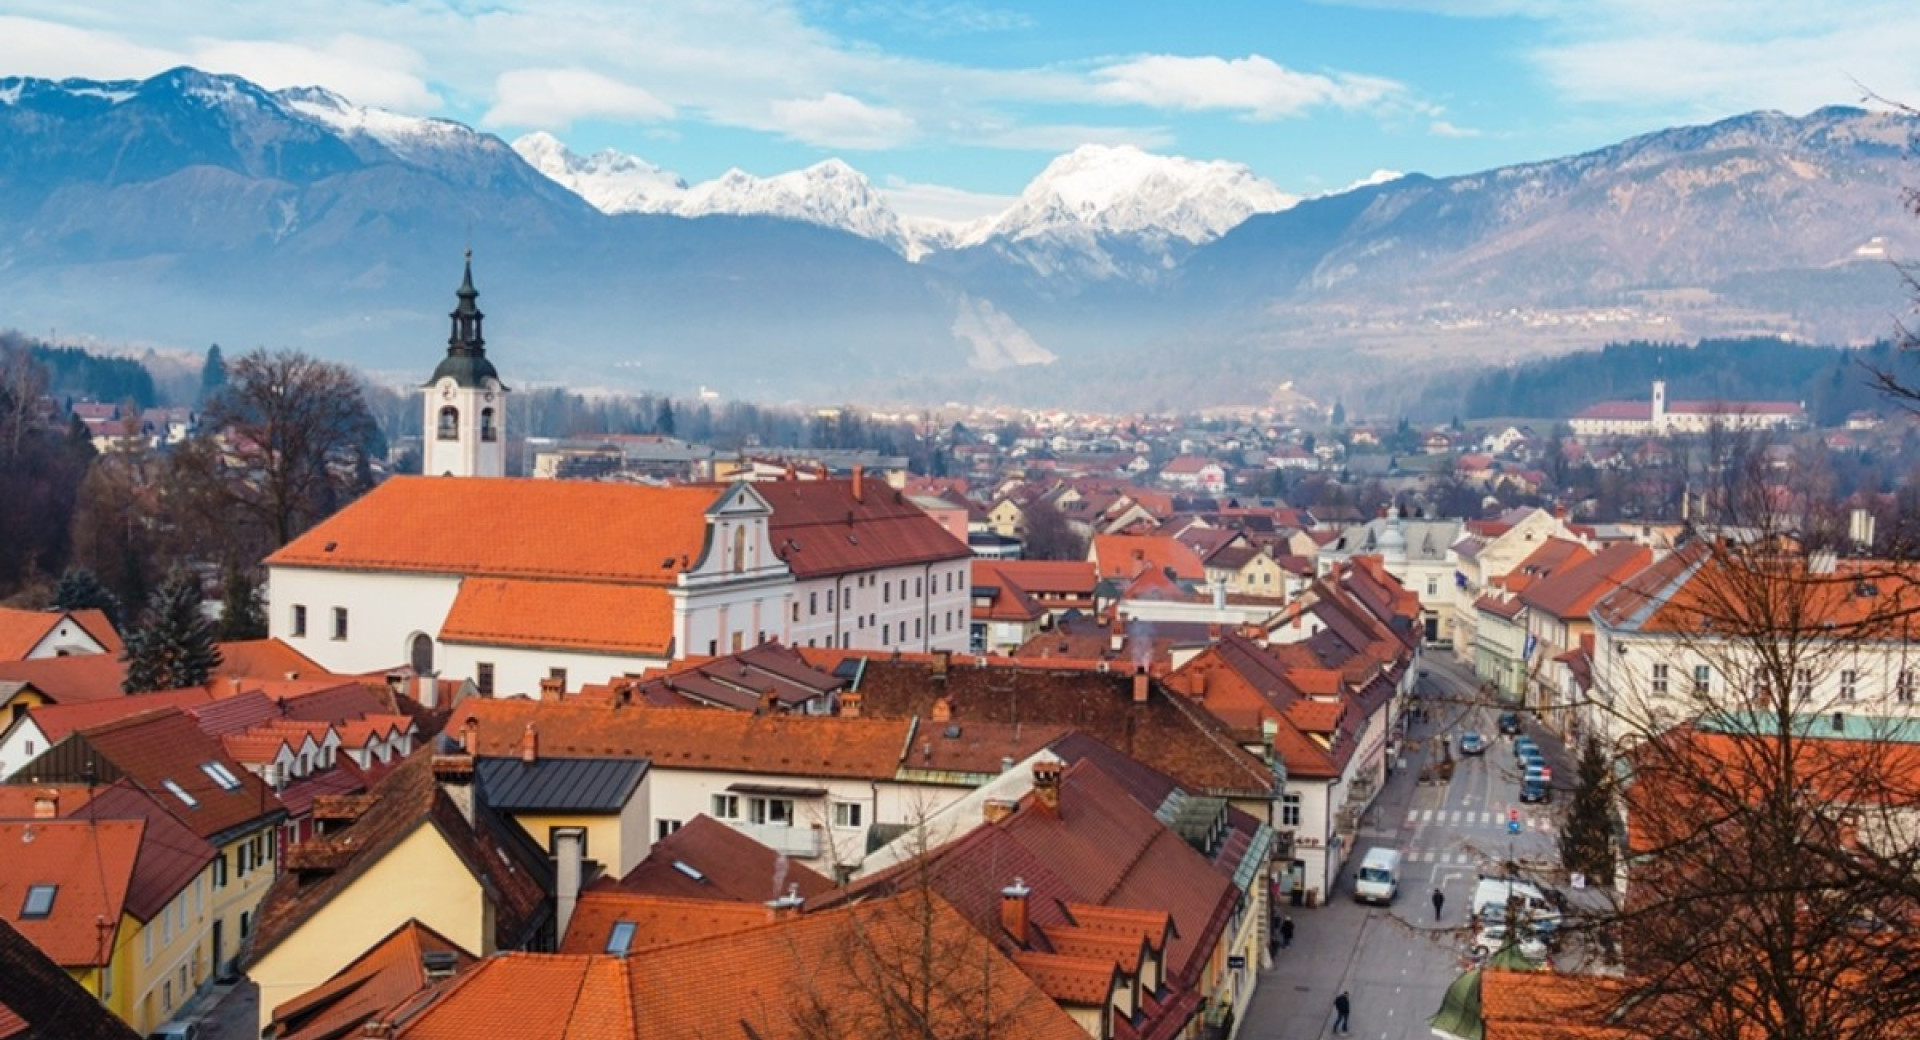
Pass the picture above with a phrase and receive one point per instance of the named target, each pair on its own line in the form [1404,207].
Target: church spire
[466,361]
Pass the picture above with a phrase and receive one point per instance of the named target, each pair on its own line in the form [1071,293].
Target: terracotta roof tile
[393,970]
[511,528]
[692,738]
[265,659]
[732,867]
[171,855]
[656,920]
[1571,592]
[587,617]
[64,680]
[818,528]
[55,721]
[17,798]
[22,630]
[1069,979]
[738,681]
[1127,556]
[43,853]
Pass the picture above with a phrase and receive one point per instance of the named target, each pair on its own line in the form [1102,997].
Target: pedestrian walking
[1286,932]
[1341,1008]
[1439,903]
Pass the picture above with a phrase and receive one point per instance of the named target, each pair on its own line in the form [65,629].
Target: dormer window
[449,423]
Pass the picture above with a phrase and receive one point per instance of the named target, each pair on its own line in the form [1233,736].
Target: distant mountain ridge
[190,208]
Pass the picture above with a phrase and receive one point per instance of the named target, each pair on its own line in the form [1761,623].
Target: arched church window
[488,431]
[449,423]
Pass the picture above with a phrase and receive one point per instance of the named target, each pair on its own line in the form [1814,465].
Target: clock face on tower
[446,390]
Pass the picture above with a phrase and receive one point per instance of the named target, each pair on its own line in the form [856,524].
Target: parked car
[1471,744]
[1535,790]
[176,1030]
[1522,745]
[1493,936]
[1509,722]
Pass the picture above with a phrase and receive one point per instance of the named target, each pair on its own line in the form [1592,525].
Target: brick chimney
[551,688]
[1046,784]
[942,660]
[787,906]
[530,745]
[1117,634]
[943,709]
[470,736]
[993,810]
[1140,684]
[46,804]
[849,704]
[859,483]
[1013,910]
[769,701]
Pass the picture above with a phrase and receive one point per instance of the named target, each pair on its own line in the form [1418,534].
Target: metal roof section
[560,784]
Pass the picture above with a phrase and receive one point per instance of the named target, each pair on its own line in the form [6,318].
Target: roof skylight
[181,793]
[39,901]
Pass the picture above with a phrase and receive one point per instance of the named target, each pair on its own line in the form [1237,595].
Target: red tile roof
[1571,592]
[63,680]
[22,630]
[1008,602]
[266,659]
[577,616]
[692,738]
[162,747]
[657,920]
[818,527]
[55,721]
[510,528]
[1068,578]
[171,855]
[732,867]
[40,1001]
[1125,556]
[816,974]
[739,681]
[58,853]
[393,970]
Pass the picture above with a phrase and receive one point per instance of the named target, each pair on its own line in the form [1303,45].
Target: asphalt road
[1396,962]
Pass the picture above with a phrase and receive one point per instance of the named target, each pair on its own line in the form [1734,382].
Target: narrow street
[1396,962]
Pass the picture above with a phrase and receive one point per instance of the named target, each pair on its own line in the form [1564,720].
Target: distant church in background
[464,434]
[1660,417]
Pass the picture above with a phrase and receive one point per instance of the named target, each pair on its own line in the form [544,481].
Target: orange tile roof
[17,798]
[1545,1005]
[512,528]
[692,738]
[63,680]
[391,971]
[732,867]
[55,721]
[46,852]
[811,975]
[818,527]
[1126,556]
[588,617]
[22,630]
[1051,577]
[266,659]
[657,920]
[1070,979]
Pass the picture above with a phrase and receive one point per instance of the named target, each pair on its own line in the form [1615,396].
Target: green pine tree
[175,649]
[80,589]
[1586,842]
[213,374]
[242,615]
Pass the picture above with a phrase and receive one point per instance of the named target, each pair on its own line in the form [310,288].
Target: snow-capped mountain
[1125,191]
[610,181]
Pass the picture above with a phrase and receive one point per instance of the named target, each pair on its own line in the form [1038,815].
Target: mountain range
[192,208]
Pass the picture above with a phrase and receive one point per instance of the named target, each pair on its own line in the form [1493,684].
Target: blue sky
[953,106]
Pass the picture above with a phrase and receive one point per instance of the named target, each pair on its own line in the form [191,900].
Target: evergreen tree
[1586,843]
[175,649]
[242,615]
[1339,414]
[663,422]
[79,589]
[213,374]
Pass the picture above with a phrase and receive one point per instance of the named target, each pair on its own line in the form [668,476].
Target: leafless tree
[289,428]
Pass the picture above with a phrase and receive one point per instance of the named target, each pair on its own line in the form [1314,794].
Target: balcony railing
[792,841]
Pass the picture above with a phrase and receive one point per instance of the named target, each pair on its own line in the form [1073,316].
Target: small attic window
[39,902]
[181,793]
[621,939]
[690,870]
[221,775]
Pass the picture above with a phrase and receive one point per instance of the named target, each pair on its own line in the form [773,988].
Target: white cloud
[934,202]
[1064,137]
[49,50]
[835,120]
[554,98]
[1255,85]
[1446,128]
[366,71]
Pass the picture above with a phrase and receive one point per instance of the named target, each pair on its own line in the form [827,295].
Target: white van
[1379,877]
[1491,895]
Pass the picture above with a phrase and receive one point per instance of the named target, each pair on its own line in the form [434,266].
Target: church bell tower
[465,431]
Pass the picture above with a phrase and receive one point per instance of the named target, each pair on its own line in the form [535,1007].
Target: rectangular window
[847,814]
[830,595]
[1849,683]
[1290,810]
[166,927]
[1903,686]
[1433,586]
[146,945]
[1659,678]
[483,677]
[339,622]
[916,628]
[726,806]
[886,634]
[664,827]
[813,603]
[886,593]
[39,902]
[220,871]
[621,939]
[558,675]
[796,612]
[1803,683]
[299,619]
[181,793]
[1702,680]
[919,590]
[903,589]
[777,812]
[221,775]
[166,995]
[949,581]
[246,923]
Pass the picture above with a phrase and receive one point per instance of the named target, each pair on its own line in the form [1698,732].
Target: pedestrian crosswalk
[1456,859]
[1474,818]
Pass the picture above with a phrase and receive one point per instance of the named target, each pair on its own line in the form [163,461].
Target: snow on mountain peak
[409,137]
[610,181]
[1121,189]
